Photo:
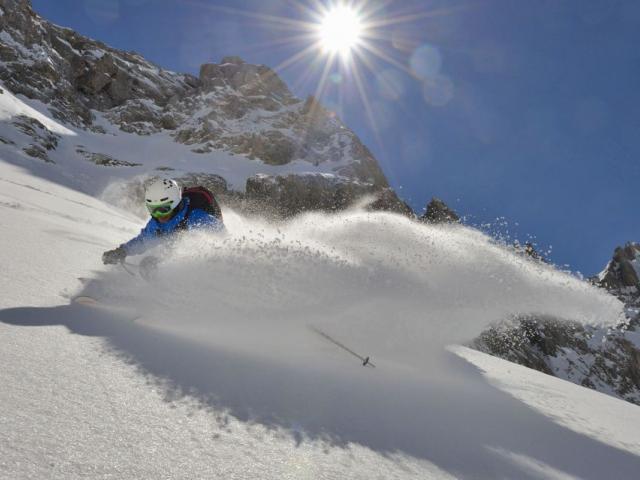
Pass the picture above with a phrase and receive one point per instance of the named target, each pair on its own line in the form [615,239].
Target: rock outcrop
[251,80]
[623,270]
[232,106]
[42,139]
[437,211]
[74,74]
[292,194]
[103,159]
[605,359]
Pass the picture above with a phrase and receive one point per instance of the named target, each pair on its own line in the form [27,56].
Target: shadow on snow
[458,422]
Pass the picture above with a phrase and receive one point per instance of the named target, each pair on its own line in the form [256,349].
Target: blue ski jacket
[154,231]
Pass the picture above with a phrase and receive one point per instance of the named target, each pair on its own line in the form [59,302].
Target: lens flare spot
[426,61]
[437,91]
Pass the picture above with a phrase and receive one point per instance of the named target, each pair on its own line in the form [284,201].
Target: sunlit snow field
[221,376]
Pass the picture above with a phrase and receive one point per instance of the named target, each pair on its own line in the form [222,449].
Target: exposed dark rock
[72,73]
[388,201]
[529,250]
[438,212]
[605,359]
[137,116]
[104,160]
[215,183]
[169,122]
[530,340]
[37,131]
[41,139]
[36,151]
[568,350]
[246,78]
[620,272]
[292,194]
[271,147]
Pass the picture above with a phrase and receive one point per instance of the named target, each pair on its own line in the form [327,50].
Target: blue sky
[522,110]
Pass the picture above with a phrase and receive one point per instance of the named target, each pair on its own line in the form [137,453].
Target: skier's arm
[142,242]
[201,219]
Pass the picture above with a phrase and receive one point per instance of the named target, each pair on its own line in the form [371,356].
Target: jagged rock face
[232,106]
[623,269]
[605,360]
[620,278]
[530,341]
[243,77]
[438,212]
[73,73]
[274,127]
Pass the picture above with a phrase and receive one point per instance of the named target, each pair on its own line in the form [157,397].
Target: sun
[340,30]
[336,44]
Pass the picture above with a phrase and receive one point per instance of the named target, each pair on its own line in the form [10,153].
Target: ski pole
[124,264]
[365,360]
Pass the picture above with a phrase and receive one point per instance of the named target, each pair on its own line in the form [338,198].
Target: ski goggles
[160,210]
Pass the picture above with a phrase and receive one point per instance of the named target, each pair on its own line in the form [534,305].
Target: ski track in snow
[222,378]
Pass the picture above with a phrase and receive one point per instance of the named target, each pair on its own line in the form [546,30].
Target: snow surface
[221,377]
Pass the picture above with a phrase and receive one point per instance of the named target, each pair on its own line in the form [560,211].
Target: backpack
[200,198]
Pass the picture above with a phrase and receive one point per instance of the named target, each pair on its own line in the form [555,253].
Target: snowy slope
[222,378]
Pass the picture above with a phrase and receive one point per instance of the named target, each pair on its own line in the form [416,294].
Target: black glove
[114,256]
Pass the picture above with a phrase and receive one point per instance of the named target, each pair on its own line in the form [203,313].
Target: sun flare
[340,30]
[336,44]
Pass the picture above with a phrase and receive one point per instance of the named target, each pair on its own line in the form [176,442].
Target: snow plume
[127,194]
[381,284]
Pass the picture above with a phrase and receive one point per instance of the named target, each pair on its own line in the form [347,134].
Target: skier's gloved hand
[114,256]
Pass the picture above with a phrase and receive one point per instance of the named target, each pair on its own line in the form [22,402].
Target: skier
[172,211]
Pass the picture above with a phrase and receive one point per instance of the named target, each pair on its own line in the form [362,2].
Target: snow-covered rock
[605,359]
[74,74]
[232,108]
[623,271]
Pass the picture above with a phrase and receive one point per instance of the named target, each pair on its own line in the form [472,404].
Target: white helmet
[162,196]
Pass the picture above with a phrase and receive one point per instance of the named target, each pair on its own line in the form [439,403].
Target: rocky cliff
[231,108]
